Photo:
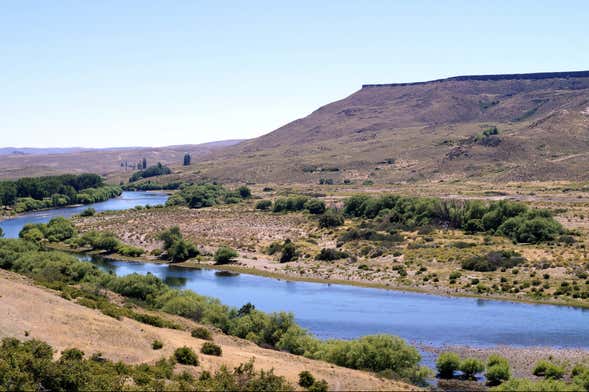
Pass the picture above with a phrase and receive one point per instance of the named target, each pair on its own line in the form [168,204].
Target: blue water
[127,200]
[340,311]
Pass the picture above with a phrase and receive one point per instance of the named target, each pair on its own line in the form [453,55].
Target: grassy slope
[65,324]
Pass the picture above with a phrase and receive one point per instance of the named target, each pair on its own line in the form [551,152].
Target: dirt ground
[41,314]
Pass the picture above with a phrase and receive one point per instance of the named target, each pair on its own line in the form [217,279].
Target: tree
[187,159]
[289,251]
[306,379]
[244,192]
[186,356]
[144,164]
[1,233]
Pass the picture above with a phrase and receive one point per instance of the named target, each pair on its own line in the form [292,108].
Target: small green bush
[225,254]
[447,363]
[88,212]
[263,205]
[306,379]
[329,254]
[186,356]
[548,370]
[331,218]
[470,367]
[157,344]
[319,386]
[201,333]
[210,348]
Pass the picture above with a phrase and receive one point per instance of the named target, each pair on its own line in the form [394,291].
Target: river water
[341,311]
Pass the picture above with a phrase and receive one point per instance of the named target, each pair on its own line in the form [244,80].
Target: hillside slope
[428,130]
[65,324]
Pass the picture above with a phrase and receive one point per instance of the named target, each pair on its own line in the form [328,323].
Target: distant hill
[19,162]
[490,127]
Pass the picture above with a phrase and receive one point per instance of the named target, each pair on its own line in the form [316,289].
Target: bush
[493,261]
[156,344]
[329,254]
[186,356]
[88,212]
[315,206]
[244,192]
[525,385]
[319,386]
[209,348]
[289,252]
[497,373]
[224,255]
[470,367]
[263,205]
[201,333]
[129,251]
[176,247]
[548,370]
[306,379]
[331,219]
[447,363]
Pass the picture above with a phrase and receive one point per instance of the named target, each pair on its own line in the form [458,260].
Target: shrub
[263,205]
[209,348]
[497,370]
[331,219]
[493,261]
[289,252]
[244,192]
[130,251]
[176,247]
[306,379]
[447,363]
[315,206]
[525,385]
[225,254]
[319,386]
[201,333]
[157,344]
[88,212]
[186,356]
[329,254]
[548,370]
[470,367]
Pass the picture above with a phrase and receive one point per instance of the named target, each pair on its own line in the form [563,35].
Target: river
[341,311]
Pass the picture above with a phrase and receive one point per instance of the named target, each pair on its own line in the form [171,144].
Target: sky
[154,73]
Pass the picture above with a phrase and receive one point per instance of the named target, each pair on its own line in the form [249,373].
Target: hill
[21,162]
[492,127]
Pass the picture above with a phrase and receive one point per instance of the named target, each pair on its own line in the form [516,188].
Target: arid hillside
[497,127]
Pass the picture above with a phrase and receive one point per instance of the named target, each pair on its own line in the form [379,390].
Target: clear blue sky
[118,73]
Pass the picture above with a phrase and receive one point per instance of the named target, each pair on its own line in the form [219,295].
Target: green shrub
[209,348]
[331,219]
[447,363]
[201,333]
[244,192]
[493,261]
[289,251]
[470,367]
[129,251]
[306,379]
[319,386]
[224,255]
[88,212]
[157,344]
[548,370]
[329,254]
[525,385]
[497,372]
[186,356]
[176,247]
[315,206]
[263,205]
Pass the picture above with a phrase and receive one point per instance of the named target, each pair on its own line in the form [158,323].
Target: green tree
[186,356]
[187,159]
[470,367]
